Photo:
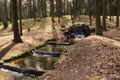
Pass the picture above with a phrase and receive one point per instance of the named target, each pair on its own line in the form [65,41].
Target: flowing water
[36,62]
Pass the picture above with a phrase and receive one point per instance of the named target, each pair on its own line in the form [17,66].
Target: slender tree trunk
[20,16]
[98,21]
[64,9]
[39,9]
[59,9]
[34,9]
[10,7]
[117,13]
[110,10]
[15,22]
[43,10]
[52,12]
[5,16]
[73,12]
[90,13]
[30,8]
[104,2]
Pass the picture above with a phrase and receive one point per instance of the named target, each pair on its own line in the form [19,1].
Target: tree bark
[20,16]
[117,13]
[98,29]
[39,9]
[30,9]
[34,9]
[104,2]
[52,12]
[17,38]
[5,16]
[90,12]
[59,9]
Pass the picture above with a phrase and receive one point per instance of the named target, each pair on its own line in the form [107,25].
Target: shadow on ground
[4,51]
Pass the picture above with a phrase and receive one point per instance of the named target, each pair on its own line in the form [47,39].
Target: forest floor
[91,58]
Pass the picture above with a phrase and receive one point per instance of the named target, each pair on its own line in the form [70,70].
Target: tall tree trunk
[59,9]
[117,13]
[10,7]
[30,8]
[43,6]
[39,9]
[20,16]
[15,22]
[52,12]
[34,9]
[5,16]
[73,12]
[64,7]
[104,2]
[90,12]
[45,10]
[110,10]
[98,21]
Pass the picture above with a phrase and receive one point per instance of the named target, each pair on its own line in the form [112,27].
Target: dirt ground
[92,58]
[30,40]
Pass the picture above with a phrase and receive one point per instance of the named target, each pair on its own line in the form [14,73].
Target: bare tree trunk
[90,12]
[104,2]
[64,9]
[59,9]
[10,7]
[98,21]
[20,16]
[15,22]
[52,12]
[30,8]
[34,9]
[5,16]
[73,12]
[39,9]
[117,13]
[43,8]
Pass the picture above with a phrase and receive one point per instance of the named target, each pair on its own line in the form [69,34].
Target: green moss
[24,54]
[40,45]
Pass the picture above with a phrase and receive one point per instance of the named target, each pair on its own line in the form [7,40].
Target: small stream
[42,59]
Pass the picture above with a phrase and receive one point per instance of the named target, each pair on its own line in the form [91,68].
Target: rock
[79,31]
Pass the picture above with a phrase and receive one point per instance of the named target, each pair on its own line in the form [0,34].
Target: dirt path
[93,58]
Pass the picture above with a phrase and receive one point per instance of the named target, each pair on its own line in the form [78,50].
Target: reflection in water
[35,63]
[53,48]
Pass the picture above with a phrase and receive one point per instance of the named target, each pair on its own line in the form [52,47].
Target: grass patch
[27,23]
